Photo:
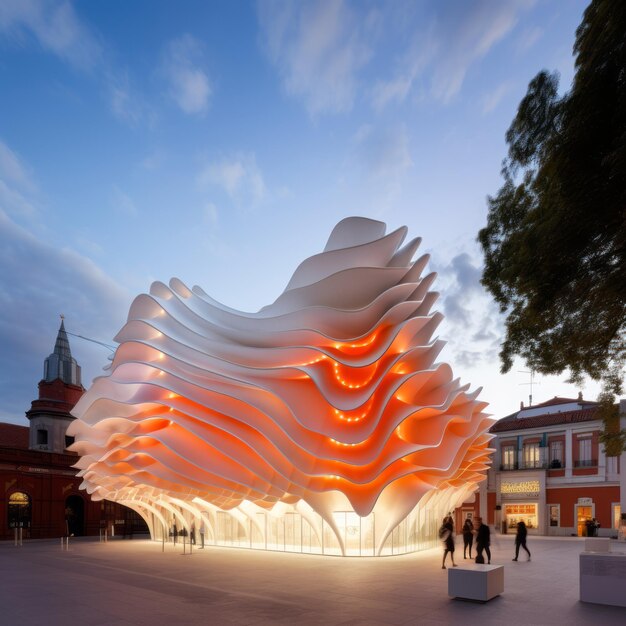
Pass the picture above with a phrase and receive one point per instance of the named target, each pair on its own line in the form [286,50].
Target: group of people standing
[476,530]
[174,532]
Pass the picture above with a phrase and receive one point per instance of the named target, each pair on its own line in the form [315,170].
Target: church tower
[59,390]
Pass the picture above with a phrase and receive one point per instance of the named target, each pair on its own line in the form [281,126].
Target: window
[68,441]
[555,514]
[508,457]
[556,454]
[514,513]
[531,455]
[612,466]
[584,452]
[42,437]
[617,515]
[18,511]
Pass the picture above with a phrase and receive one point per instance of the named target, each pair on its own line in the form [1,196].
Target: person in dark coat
[468,537]
[448,541]
[520,540]
[483,541]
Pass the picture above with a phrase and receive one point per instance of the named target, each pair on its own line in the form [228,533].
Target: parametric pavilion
[322,423]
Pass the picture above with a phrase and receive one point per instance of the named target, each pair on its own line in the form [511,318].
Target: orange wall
[568,498]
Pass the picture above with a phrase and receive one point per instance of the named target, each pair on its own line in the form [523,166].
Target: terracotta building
[39,485]
[550,470]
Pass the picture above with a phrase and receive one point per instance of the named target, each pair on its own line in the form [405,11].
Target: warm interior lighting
[316,424]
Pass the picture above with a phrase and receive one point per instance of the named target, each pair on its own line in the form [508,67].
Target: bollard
[15,529]
[21,535]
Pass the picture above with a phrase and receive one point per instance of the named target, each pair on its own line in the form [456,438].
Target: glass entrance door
[583,513]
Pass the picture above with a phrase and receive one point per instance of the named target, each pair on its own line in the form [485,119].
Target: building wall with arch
[49,480]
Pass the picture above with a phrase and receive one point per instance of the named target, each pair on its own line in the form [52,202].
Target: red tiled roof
[14,436]
[548,419]
[556,400]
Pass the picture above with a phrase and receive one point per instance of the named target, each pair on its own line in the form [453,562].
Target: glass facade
[310,534]
[520,512]
[531,455]
[508,457]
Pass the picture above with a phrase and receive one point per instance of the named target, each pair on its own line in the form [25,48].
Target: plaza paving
[134,582]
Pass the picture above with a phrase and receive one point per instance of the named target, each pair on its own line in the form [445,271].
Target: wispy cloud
[471,316]
[492,99]
[189,84]
[38,283]
[238,176]
[56,28]
[420,54]
[443,49]
[123,202]
[318,49]
[382,152]
[126,101]
[528,38]
[13,170]
[17,185]
[210,214]
[153,160]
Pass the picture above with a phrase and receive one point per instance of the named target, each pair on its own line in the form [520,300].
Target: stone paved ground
[134,582]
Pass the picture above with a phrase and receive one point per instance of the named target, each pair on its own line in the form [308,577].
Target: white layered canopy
[323,416]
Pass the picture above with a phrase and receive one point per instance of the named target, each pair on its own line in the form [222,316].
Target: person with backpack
[446,534]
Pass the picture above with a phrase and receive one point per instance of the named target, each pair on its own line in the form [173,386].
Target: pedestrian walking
[468,537]
[192,534]
[446,534]
[202,531]
[520,539]
[483,541]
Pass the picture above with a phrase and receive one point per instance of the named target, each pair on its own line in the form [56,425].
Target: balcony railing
[586,463]
[523,466]
[555,464]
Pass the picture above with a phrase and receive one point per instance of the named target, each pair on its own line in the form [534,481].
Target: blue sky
[220,143]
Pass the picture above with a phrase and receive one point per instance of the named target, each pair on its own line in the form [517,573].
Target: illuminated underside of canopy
[328,401]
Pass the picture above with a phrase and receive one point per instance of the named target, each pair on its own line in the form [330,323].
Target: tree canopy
[555,240]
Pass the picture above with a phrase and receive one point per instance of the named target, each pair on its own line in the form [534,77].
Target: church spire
[62,345]
[61,364]
[59,391]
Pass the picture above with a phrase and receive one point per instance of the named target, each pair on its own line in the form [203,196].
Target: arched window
[19,510]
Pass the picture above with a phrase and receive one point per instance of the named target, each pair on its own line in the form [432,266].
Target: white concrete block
[476,582]
[603,578]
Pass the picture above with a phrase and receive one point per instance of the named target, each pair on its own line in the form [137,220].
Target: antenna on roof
[531,383]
